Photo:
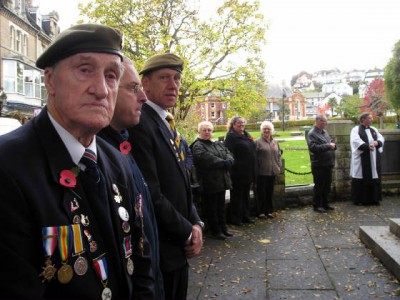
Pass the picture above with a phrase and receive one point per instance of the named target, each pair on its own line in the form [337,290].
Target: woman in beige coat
[269,165]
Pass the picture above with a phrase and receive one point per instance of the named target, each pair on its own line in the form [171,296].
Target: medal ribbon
[77,234]
[64,241]
[100,265]
[127,246]
[49,235]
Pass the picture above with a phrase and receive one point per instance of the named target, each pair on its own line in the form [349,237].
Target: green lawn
[296,157]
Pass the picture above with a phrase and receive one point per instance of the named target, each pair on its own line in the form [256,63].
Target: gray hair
[204,123]
[269,124]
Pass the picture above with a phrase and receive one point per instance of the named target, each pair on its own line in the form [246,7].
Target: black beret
[161,61]
[81,38]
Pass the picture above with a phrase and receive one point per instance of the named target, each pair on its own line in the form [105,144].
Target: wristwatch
[201,224]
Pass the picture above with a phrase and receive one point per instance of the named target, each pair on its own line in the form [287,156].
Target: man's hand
[194,248]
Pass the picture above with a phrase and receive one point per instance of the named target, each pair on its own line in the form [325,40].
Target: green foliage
[350,106]
[210,48]
[392,78]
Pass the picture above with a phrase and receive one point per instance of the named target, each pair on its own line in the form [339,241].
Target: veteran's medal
[81,264]
[106,294]
[65,274]
[49,270]
[129,266]
[127,246]
[100,266]
[49,238]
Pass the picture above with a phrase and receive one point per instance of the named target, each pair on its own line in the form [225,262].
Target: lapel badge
[74,205]
[117,196]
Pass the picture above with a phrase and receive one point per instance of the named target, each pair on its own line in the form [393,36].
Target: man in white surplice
[366,145]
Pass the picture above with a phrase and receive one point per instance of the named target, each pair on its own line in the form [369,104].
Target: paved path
[298,255]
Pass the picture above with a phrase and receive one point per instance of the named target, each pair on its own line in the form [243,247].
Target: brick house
[213,109]
[24,34]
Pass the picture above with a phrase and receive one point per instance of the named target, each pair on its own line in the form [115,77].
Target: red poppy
[67,178]
[125,147]
[251,138]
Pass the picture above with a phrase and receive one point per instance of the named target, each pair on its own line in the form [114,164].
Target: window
[22,79]
[212,105]
[12,37]
[212,114]
[25,45]
[18,41]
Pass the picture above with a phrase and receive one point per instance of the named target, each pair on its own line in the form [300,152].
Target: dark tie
[177,139]
[89,159]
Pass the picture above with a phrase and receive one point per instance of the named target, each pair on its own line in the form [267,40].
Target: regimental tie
[177,138]
[89,159]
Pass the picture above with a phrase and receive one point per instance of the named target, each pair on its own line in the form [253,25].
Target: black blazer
[31,197]
[152,148]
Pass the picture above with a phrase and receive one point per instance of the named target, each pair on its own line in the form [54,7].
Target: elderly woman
[242,146]
[268,166]
[213,162]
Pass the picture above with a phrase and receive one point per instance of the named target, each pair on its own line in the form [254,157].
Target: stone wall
[291,196]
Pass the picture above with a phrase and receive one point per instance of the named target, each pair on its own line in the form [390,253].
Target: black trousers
[265,191]
[240,202]
[215,211]
[176,283]
[322,185]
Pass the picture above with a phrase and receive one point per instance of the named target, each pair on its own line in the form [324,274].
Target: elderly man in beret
[157,149]
[69,225]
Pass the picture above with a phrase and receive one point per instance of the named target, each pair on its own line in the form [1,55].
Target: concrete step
[394,226]
[384,245]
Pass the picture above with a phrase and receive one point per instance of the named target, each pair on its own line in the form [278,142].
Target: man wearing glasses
[157,149]
[147,277]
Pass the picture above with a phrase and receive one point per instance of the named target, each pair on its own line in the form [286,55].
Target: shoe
[320,209]
[227,233]
[270,216]
[329,208]
[261,216]
[219,236]
[249,221]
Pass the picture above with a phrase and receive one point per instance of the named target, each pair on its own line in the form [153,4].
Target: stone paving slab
[291,248]
[297,275]
[350,260]
[303,294]
[361,286]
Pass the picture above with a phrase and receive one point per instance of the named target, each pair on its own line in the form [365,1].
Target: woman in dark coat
[213,161]
[243,148]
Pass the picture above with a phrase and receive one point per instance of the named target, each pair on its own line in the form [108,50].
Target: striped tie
[89,159]
[177,138]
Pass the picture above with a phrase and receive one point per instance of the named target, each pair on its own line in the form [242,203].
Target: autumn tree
[375,100]
[350,107]
[221,53]
[392,79]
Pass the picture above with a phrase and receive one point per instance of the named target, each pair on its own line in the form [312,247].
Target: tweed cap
[81,38]
[161,61]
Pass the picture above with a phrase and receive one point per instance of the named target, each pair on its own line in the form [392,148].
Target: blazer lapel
[167,137]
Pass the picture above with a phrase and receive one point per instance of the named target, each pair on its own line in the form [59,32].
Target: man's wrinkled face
[83,89]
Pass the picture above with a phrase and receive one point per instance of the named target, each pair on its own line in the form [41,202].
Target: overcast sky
[309,35]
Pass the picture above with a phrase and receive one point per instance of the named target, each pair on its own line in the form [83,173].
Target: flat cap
[81,38]
[161,61]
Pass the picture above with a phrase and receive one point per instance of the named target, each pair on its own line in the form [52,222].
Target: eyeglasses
[206,130]
[133,88]
[167,78]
